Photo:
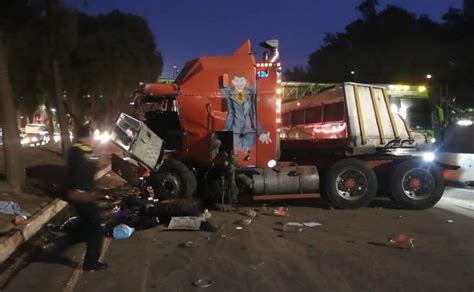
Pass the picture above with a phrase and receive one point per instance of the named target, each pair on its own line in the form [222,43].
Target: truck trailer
[220,130]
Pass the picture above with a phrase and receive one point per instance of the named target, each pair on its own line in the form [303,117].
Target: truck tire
[350,184]
[415,184]
[174,180]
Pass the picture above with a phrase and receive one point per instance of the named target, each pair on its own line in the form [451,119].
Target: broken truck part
[220,130]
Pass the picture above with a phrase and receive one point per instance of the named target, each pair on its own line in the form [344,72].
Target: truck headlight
[271,163]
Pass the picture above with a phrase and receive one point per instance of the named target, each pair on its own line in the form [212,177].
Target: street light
[429,76]
[353,72]
[175,71]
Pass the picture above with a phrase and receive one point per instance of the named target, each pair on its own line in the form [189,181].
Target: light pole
[175,71]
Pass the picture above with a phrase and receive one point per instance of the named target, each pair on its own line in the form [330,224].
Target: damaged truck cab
[218,130]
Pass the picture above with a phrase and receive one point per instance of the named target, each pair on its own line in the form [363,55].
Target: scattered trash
[188,244]
[122,231]
[202,283]
[311,224]
[399,217]
[12,208]
[402,241]
[185,223]
[450,221]
[207,215]
[223,236]
[245,221]
[19,220]
[293,227]
[250,213]
[280,211]
[239,227]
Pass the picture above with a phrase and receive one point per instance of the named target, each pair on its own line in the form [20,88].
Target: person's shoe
[95,266]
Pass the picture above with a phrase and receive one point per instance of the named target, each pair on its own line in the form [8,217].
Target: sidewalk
[46,172]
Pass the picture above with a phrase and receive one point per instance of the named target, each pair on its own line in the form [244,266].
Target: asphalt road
[348,252]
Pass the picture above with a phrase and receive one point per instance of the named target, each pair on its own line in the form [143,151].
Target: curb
[9,243]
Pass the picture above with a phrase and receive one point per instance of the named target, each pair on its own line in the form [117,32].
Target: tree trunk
[61,110]
[11,136]
[52,14]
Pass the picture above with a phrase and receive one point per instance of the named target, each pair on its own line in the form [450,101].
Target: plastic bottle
[292,227]
[206,215]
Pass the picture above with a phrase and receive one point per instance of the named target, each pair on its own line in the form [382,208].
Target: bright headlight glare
[464,123]
[271,163]
[428,156]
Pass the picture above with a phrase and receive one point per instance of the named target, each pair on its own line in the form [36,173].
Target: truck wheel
[416,185]
[174,180]
[350,184]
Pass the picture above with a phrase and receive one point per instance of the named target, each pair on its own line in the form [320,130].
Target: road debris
[402,241]
[311,224]
[202,283]
[280,211]
[188,244]
[122,231]
[450,221]
[239,227]
[293,227]
[207,215]
[399,217]
[186,223]
[250,213]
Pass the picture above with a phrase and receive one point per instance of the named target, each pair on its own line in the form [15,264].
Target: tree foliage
[396,46]
[103,56]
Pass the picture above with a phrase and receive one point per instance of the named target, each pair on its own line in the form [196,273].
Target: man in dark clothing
[82,167]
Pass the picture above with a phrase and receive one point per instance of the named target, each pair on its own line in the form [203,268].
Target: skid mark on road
[76,274]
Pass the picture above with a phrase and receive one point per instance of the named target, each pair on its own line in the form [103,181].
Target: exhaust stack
[274,54]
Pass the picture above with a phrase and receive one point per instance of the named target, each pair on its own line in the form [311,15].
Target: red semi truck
[220,129]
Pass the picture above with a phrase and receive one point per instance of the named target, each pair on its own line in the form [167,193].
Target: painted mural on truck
[241,117]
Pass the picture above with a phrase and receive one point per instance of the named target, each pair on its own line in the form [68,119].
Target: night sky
[186,29]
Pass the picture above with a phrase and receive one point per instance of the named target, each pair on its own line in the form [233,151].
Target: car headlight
[429,156]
